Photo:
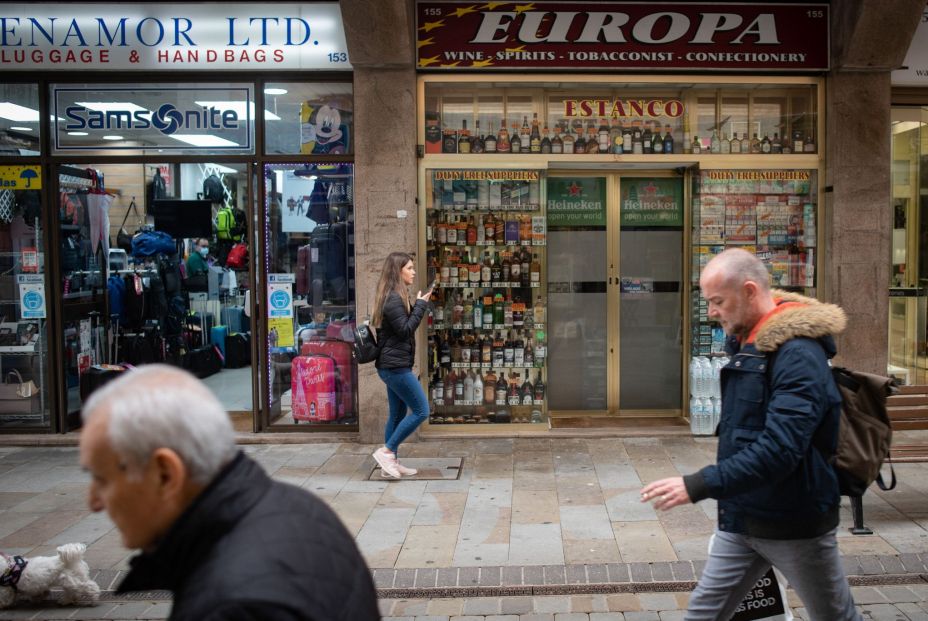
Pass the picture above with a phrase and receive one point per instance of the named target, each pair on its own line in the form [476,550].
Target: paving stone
[410,607]
[571,616]
[399,619]
[661,572]
[512,576]
[430,617]
[576,574]
[618,572]
[469,576]
[447,577]
[554,574]
[129,610]
[896,594]
[405,579]
[682,570]
[891,564]
[482,606]
[867,595]
[911,562]
[641,572]
[426,577]
[913,611]
[658,601]
[23,613]
[552,603]
[516,605]
[884,612]
[672,615]
[161,610]
[870,565]
[452,607]
[490,576]
[597,574]
[642,616]
[537,616]
[383,578]
[851,566]
[607,616]
[533,574]
[502,618]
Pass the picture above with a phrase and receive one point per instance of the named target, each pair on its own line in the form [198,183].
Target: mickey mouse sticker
[324,127]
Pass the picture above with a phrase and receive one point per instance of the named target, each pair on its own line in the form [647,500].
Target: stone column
[379,36]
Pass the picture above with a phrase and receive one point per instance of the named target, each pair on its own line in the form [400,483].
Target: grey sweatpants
[812,567]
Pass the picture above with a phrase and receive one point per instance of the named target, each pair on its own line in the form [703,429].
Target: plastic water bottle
[716,414]
[695,419]
[706,390]
[694,374]
[705,417]
[717,365]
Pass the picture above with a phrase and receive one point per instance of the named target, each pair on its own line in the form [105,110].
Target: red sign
[622,36]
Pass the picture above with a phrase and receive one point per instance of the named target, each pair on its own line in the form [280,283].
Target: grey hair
[738,266]
[159,406]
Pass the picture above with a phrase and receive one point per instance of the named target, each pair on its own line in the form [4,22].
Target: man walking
[777,494]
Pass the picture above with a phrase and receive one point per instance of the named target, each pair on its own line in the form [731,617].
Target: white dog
[31,579]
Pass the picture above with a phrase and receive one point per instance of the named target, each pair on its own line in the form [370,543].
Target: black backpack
[212,189]
[156,189]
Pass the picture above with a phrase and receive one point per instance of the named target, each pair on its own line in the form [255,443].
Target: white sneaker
[387,463]
[406,472]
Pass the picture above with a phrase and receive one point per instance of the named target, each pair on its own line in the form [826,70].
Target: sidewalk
[527,529]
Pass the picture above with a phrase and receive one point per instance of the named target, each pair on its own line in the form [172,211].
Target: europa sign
[622,35]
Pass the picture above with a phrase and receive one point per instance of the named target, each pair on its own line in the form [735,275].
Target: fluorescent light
[21,129]
[224,169]
[204,140]
[275,91]
[113,137]
[112,106]
[905,126]
[239,108]
[77,133]
[20,114]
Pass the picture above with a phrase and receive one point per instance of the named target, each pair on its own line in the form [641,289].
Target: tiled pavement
[533,529]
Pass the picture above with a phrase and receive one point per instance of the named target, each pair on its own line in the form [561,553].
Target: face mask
[204,251]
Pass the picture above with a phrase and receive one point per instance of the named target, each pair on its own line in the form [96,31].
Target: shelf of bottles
[486,235]
[771,213]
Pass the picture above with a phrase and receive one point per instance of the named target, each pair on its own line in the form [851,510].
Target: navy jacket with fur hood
[397,332]
[779,426]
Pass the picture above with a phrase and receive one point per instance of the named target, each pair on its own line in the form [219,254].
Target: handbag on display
[18,397]
[123,238]
[366,347]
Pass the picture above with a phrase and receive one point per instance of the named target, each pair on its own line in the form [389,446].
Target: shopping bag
[17,396]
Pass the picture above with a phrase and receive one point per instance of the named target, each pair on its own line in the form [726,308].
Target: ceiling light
[275,91]
[204,140]
[112,137]
[15,112]
[239,108]
[21,129]
[77,133]
[112,106]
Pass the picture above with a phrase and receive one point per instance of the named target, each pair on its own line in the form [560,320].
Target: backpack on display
[225,223]
[240,224]
[864,433]
[156,189]
[238,257]
[212,189]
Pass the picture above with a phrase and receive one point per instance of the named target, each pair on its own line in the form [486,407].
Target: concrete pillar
[379,36]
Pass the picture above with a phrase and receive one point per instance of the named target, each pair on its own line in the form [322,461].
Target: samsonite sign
[622,36]
[144,37]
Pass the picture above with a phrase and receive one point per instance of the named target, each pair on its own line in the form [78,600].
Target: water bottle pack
[705,394]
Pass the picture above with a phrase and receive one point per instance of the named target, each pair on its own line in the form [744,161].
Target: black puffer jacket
[397,333]
[250,548]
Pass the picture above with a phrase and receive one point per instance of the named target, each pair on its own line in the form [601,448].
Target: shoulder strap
[131,208]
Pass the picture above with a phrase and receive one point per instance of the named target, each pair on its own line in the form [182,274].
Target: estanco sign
[143,36]
[622,35]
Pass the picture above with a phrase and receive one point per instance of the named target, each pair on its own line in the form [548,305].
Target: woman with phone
[396,317]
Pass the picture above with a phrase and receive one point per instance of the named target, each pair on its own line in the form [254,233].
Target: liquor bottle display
[487,343]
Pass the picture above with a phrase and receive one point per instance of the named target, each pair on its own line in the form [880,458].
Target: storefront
[908,289]
[188,199]
[579,167]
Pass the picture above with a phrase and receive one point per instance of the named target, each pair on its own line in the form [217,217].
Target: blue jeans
[404,392]
[811,566]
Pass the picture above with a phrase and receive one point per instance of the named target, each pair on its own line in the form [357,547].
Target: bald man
[777,492]
[212,527]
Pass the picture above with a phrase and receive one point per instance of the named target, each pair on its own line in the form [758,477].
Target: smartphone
[432,287]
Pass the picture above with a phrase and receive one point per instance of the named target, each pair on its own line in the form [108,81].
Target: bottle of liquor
[444,354]
[580,142]
[515,143]
[697,145]
[437,391]
[457,317]
[478,388]
[486,346]
[505,268]
[489,143]
[775,145]
[489,387]
[496,270]
[513,395]
[539,312]
[449,141]
[528,391]
[754,146]
[485,274]
[798,145]
[525,262]
[765,145]
[637,138]
[786,145]
[525,135]
[603,136]
[502,390]
[647,144]
[471,232]
[464,138]
[499,350]
[448,387]
[467,317]
[615,137]
[508,352]
[465,341]
[489,229]
[525,230]
[474,351]
[715,145]
[568,142]
[502,140]
[507,311]
[592,138]
[518,351]
[725,144]
[539,388]
[657,141]
[477,145]
[535,136]
[529,355]
[468,396]
[535,271]
[668,139]
[541,348]
[557,145]
[735,143]
[459,388]
[626,137]
[809,145]
[477,314]
[498,309]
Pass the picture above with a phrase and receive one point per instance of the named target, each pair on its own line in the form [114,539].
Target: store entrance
[615,296]
[154,268]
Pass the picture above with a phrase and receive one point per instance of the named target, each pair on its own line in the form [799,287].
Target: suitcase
[98,375]
[314,387]
[203,361]
[238,350]
[303,270]
[341,330]
[233,317]
[217,337]
[196,325]
[341,353]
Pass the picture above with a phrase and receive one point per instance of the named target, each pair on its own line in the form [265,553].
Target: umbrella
[28,174]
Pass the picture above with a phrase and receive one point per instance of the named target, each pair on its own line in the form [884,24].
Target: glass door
[615,294]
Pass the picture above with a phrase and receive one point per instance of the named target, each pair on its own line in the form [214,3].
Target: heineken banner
[648,201]
[578,201]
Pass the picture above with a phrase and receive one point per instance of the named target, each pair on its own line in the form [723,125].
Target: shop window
[311,294]
[308,119]
[19,119]
[24,395]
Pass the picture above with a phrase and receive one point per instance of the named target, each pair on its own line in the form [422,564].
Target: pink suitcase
[340,351]
[314,385]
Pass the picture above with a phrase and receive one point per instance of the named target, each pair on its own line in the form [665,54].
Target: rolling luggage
[217,337]
[233,317]
[314,387]
[98,375]
[203,361]
[197,327]
[238,350]
[341,353]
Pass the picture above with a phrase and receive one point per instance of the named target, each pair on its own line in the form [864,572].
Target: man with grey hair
[777,491]
[212,526]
